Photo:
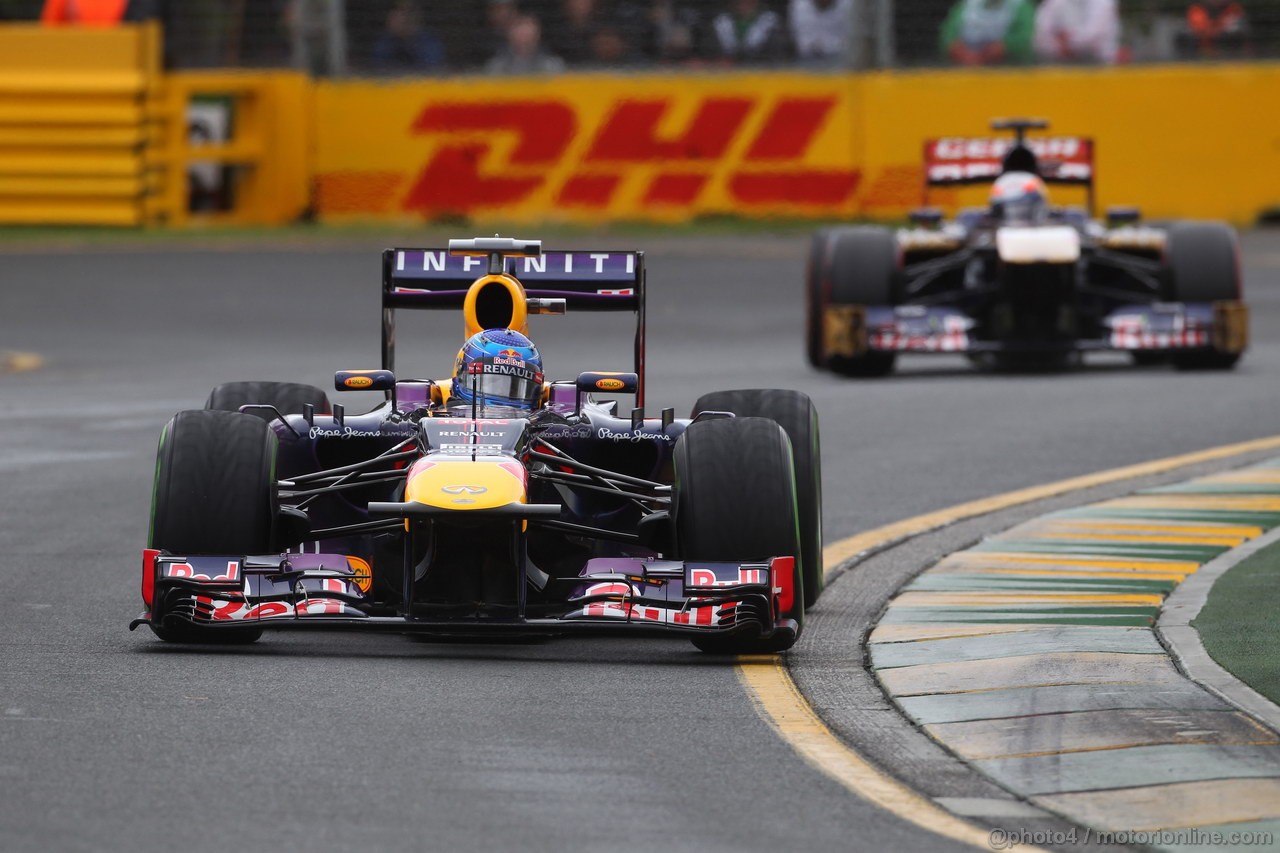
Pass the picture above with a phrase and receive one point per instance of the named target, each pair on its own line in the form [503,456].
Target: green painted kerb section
[1240,623]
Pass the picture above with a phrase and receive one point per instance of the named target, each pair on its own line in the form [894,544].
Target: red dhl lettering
[504,153]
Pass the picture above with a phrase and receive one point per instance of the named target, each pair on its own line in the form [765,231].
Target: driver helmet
[1019,197]
[499,372]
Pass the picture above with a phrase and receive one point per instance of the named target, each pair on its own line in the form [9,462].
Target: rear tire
[215,493]
[864,271]
[1202,264]
[795,413]
[288,397]
[734,500]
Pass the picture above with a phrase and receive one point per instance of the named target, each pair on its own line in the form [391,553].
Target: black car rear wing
[965,161]
[585,280]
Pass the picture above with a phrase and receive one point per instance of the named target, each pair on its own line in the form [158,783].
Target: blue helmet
[500,372]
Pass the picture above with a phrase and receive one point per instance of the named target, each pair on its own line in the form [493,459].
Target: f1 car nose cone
[460,482]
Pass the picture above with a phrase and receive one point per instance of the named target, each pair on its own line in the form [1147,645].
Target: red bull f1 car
[442,515]
[1022,283]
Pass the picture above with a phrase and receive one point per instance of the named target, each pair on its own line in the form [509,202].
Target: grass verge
[1240,623]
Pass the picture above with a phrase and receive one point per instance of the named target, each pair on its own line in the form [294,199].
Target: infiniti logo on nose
[463,490]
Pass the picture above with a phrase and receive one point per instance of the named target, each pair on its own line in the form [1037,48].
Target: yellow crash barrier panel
[267,158]
[75,116]
[670,148]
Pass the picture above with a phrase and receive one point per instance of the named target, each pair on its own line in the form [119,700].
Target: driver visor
[503,383]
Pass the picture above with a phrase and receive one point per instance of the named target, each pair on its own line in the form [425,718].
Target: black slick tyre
[1202,264]
[215,493]
[288,398]
[864,271]
[815,296]
[734,500]
[796,414]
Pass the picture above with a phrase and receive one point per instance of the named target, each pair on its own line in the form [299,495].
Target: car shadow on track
[345,646]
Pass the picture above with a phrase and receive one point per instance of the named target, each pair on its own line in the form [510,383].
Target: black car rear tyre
[1202,264]
[815,296]
[734,500]
[796,414]
[215,493]
[288,397]
[864,271]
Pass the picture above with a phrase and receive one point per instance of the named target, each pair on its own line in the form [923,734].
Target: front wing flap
[852,330]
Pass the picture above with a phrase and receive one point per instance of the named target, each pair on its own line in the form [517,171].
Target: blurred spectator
[747,32]
[610,47]
[668,29]
[1217,28]
[584,33]
[317,36]
[498,15]
[1150,32]
[1078,31]
[523,53]
[821,30]
[404,44]
[95,13]
[989,32]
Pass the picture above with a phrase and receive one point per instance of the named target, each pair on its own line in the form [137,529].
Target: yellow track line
[838,552]
[781,705]
[779,702]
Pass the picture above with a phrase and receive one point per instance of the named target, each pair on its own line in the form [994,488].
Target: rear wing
[967,161]
[585,280]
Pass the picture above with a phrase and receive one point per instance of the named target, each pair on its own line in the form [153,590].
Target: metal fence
[399,37]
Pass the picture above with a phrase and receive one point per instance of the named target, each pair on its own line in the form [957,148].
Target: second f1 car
[1021,282]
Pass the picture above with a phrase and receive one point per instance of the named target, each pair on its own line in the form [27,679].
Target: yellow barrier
[92,133]
[1177,140]
[267,157]
[75,117]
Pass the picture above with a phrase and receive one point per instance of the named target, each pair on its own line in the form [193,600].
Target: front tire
[734,500]
[796,414]
[864,271]
[815,297]
[1202,264]
[289,398]
[215,493]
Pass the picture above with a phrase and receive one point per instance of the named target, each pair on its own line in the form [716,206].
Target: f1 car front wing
[611,595]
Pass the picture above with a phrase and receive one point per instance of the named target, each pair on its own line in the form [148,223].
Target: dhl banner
[587,148]
[1187,141]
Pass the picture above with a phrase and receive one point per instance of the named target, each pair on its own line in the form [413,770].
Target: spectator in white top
[821,30]
[747,32]
[1078,31]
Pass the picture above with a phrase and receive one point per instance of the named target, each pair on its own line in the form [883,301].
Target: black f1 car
[1022,283]
[274,508]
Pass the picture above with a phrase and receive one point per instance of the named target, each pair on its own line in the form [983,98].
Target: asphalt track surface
[111,740]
